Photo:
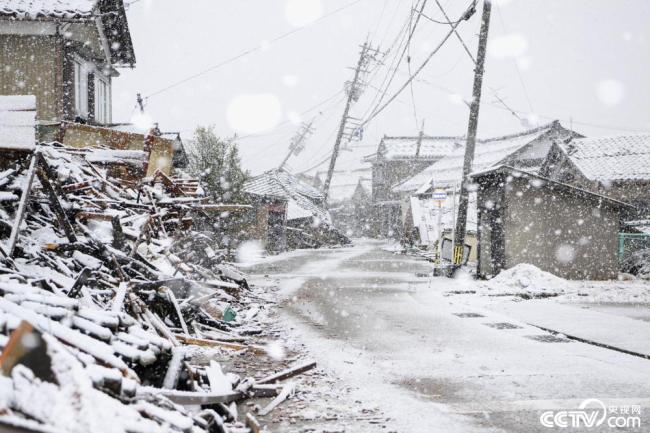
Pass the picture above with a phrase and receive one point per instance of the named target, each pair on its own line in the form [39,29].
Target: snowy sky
[582,61]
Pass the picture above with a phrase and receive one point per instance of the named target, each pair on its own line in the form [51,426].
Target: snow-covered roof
[18,122]
[447,171]
[346,182]
[111,13]
[515,172]
[393,148]
[299,195]
[614,158]
[30,9]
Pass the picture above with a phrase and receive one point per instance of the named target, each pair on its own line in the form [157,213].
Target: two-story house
[65,53]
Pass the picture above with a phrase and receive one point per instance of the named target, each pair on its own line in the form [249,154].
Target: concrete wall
[559,232]
[33,65]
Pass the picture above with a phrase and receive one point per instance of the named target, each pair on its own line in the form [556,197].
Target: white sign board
[439,195]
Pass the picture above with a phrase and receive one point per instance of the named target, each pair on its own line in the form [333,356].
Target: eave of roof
[504,169]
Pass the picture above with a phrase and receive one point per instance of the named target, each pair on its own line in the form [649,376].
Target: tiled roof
[26,9]
[299,195]
[18,122]
[112,13]
[615,158]
[430,147]
[448,171]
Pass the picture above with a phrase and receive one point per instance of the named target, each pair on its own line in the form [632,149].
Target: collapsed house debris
[290,213]
[113,310]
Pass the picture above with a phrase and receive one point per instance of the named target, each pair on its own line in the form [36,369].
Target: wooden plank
[120,295]
[81,279]
[215,343]
[192,397]
[287,391]
[252,423]
[44,173]
[172,299]
[96,216]
[289,372]
[20,213]
[118,234]
[174,368]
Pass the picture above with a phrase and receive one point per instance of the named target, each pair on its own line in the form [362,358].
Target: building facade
[66,54]
[564,230]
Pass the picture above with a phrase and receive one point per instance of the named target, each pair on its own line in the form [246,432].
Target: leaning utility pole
[297,143]
[461,222]
[354,89]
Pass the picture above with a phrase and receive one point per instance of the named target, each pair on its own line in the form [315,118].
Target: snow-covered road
[440,363]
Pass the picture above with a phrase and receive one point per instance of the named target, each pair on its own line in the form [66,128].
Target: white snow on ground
[620,292]
[524,279]
[252,253]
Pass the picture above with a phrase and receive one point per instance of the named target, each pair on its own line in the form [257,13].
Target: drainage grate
[468,315]
[548,338]
[502,325]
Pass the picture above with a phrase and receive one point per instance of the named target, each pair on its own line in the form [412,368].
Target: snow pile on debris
[525,280]
[115,314]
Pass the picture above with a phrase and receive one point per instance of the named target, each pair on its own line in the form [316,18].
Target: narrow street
[436,361]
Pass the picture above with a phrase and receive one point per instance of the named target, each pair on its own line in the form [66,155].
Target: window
[80,90]
[102,100]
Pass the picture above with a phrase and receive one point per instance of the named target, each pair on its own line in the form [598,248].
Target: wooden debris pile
[113,311]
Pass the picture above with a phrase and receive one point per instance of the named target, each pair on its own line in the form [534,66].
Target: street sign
[439,195]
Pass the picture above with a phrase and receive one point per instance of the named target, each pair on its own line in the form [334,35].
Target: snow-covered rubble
[105,282]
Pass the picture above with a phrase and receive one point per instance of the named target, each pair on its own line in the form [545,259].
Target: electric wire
[251,50]
[420,68]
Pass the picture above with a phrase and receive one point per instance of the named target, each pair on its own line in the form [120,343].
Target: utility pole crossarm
[461,222]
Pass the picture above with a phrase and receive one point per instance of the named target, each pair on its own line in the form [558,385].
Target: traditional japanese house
[562,229]
[526,150]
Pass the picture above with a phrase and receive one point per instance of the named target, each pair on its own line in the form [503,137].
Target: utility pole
[461,222]
[297,144]
[353,89]
[420,137]
[140,102]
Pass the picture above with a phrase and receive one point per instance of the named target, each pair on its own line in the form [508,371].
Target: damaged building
[290,213]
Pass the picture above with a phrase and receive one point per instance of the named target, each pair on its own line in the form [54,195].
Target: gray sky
[580,60]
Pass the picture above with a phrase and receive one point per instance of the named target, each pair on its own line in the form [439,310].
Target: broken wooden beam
[49,184]
[288,373]
[192,397]
[287,391]
[20,213]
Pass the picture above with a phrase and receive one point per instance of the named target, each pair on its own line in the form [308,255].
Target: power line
[514,61]
[411,31]
[466,15]
[399,39]
[251,50]
[578,122]
[455,32]
[279,125]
